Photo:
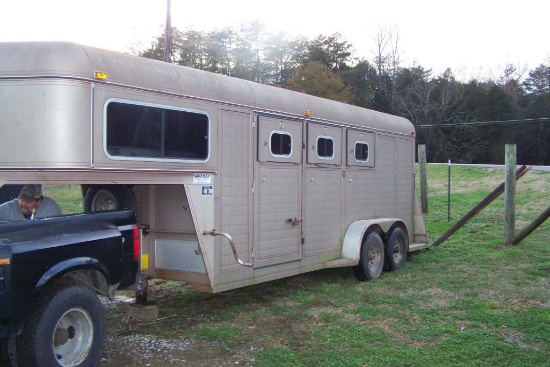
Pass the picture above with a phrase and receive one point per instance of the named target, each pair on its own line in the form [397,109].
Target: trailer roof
[70,60]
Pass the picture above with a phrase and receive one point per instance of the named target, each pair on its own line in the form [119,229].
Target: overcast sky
[472,37]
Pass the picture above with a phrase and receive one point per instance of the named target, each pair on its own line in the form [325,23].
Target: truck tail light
[137,244]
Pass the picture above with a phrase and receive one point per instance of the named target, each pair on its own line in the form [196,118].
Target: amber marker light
[308,113]
[5,261]
[100,75]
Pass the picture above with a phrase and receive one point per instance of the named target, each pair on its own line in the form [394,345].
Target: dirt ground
[147,351]
[128,344]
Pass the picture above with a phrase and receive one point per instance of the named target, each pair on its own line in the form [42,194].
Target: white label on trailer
[207,190]
[202,178]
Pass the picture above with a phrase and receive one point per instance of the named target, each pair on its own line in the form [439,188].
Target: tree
[333,51]
[280,59]
[247,54]
[155,51]
[190,49]
[361,78]
[434,102]
[538,81]
[315,79]
[387,59]
[219,50]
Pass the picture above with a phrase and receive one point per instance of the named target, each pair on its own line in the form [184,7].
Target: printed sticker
[207,190]
[202,178]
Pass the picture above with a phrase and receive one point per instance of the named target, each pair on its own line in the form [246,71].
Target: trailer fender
[351,248]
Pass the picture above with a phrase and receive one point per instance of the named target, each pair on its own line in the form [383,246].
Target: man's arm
[10,211]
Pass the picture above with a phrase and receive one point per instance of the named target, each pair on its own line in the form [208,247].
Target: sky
[475,38]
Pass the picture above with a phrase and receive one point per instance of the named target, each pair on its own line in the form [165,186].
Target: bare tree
[387,59]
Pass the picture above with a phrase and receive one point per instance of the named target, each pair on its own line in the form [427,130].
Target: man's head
[30,198]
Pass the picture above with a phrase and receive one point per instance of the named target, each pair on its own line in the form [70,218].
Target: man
[30,204]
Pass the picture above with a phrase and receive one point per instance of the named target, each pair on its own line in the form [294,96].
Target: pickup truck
[51,271]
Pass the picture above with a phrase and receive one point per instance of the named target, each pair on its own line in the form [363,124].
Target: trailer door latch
[296,220]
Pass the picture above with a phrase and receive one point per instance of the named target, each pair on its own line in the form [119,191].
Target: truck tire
[109,197]
[371,261]
[66,328]
[396,249]
[7,353]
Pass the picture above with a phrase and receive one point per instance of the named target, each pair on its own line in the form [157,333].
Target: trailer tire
[359,273]
[396,249]
[66,328]
[109,197]
[371,260]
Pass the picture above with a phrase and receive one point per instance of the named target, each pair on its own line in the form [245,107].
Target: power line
[498,122]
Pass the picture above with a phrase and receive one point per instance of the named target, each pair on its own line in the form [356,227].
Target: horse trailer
[233,182]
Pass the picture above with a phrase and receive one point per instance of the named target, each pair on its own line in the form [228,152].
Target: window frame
[162,107]
[280,132]
[361,161]
[327,137]
[368,137]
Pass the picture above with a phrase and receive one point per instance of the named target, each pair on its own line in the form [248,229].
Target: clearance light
[5,261]
[308,113]
[100,75]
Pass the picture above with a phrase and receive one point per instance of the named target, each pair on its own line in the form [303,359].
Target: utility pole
[168,32]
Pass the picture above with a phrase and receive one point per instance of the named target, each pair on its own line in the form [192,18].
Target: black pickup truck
[51,271]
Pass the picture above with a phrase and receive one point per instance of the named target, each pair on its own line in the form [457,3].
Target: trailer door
[278,178]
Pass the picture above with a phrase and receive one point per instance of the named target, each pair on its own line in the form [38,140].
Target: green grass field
[469,302]
[68,197]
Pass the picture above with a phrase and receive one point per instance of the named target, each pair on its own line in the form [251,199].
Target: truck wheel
[396,249]
[66,328]
[109,197]
[372,258]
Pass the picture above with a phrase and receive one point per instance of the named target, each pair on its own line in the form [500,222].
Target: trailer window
[280,144]
[325,147]
[143,131]
[361,151]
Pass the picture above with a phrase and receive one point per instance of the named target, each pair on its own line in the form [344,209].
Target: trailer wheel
[396,249]
[109,197]
[371,261]
[66,328]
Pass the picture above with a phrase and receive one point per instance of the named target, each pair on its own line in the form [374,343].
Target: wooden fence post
[510,194]
[423,178]
[531,227]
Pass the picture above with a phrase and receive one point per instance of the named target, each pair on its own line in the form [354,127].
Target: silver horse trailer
[234,183]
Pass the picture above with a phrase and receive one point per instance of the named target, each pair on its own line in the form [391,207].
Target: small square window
[361,152]
[281,144]
[325,147]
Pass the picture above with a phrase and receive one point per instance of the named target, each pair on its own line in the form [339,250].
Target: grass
[68,197]
[469,302]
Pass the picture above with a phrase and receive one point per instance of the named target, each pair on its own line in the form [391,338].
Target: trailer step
[417,246]
[341,263]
